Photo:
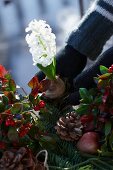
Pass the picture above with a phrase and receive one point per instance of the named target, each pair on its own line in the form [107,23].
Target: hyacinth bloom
[41,42]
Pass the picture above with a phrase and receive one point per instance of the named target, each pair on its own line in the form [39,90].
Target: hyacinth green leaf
[103,69]
[12,85]
[85,95]
[108,127]
[17,108]
[50,70]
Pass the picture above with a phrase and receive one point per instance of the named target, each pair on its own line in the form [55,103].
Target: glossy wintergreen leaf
[83,109]
[95,111]
[2,107]
[103,69]
[12,85]
[17,108]
[8,76]
[98,100]
[26,106]
[105,76]
[108,127]
[31,98]
[85,95]
[5,100]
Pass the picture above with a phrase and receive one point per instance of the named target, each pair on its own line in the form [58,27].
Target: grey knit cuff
[94,30]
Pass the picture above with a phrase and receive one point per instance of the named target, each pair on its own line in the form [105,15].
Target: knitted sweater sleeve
[95,28]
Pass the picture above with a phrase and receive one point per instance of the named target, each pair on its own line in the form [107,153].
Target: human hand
[71,99]
[53,88]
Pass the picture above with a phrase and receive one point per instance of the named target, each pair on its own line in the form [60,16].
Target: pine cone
[69,128]
[17,160]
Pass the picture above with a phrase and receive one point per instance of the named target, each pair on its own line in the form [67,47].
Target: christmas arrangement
[37,134]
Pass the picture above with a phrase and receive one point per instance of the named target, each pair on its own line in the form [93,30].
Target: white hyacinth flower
[41,41]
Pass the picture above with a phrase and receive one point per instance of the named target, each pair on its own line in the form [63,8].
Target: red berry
[8,111]
[36,108]
[2,145]
[86,118]
[28,125]
[10,122]
[7,123]
[41,104]
[110,69]
[1,121]
[22,133]
[24,129]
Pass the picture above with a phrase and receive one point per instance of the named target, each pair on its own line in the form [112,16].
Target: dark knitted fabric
[95,28]
[85,79]
[69,63]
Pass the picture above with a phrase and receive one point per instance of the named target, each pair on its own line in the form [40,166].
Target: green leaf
[26,106]
[85,95]
[111,141]
[8,76]
[108,127]
[95,111]
[17,108]
[105,76]
[2,107]
[98,100]
[86,167]
[13,134]
[31,98]
[12,85]
[50,70]
[47,142]
[104,147]
[83,109]
[5,100]
[103,69]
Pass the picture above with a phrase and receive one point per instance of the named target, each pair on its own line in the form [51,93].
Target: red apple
[89,143]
